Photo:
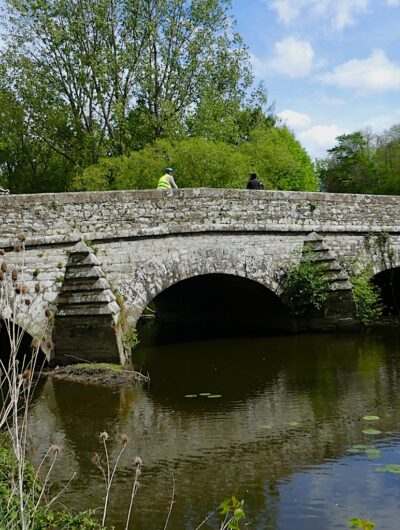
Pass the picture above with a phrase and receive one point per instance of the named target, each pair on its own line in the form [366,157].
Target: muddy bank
[97,374]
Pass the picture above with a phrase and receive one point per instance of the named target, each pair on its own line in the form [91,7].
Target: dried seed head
[27,301]
[2,251]
[37,288]
[14,275]
[21,236]
[104,436]
[4,267]
[35,343]
[18,289]
[26,374]
[49,344]
[96,459]
[124,439]
[55,449]
[137,461]
[47,313]
[17,248]
[24,289]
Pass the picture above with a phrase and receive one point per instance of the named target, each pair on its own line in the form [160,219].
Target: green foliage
[40,518]
[361,523]
[233,511]
[273,153]
[279,160]
[131,339]
[363,163]
[305,287]
[81,81]
[367,297]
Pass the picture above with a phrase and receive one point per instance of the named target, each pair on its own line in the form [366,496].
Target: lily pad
[363,447]
[371,418]
[354,450]
[293,423]
[214,396]
[371,431]
[205,394]
[265,426]
[390,468]
[373,454]
[191,395]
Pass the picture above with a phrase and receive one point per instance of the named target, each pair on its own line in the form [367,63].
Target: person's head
[253,176]
[169,170]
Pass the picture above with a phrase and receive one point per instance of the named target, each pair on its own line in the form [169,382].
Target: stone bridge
[141,243]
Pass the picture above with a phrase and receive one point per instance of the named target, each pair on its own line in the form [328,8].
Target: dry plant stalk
[108,473]
[19,310]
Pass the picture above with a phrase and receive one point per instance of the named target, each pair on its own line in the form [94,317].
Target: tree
[94,78]
[351,166]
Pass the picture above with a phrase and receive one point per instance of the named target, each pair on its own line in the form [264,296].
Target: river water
[281,435]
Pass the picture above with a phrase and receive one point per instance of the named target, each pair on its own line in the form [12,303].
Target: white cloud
[392,3]
[259,66]
[293,57]
[332,101]
[319,138]
[373,74]
[294,120]
[341,13]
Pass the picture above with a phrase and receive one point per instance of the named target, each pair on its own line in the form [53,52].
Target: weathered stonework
[148,240]
[87,314]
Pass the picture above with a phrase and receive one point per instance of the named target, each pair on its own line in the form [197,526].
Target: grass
[98,366]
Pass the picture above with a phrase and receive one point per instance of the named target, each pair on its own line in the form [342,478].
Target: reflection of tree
[216,448]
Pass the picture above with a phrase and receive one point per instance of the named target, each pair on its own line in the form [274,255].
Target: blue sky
[331,66]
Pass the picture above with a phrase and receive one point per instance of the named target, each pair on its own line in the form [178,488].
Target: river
[281,435]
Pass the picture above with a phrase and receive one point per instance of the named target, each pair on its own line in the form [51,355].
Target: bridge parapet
[49,219]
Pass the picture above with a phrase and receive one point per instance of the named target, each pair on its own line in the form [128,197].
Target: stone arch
[28,333]
[220,305]
[154,277]
[388,282]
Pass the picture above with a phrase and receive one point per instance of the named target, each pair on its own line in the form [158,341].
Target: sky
[330,66]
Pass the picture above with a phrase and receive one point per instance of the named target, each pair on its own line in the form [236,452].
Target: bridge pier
[340,311]
[87,324]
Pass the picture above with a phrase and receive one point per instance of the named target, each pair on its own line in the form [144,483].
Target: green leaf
[205,394]
[191,396]
[373,454]
[371,418]
[265,426]
[390,468]
[214,396]
[371,431]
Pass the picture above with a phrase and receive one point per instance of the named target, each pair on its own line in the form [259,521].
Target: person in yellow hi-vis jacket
[167,181]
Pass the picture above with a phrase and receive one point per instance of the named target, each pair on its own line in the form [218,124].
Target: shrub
[305,287]
[273,153]
[367,297]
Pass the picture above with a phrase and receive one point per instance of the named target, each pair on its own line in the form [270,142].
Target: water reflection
[290,408]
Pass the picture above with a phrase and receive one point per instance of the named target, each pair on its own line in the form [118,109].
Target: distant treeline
[363,162]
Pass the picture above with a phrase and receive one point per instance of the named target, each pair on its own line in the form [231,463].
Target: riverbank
[101,374]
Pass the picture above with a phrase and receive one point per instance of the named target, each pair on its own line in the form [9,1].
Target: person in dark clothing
[254,183]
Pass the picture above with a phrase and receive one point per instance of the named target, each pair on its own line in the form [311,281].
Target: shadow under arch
[388,282]
[24,354]
[217,305]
